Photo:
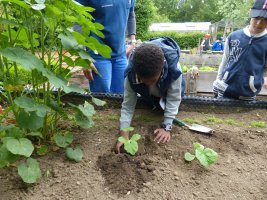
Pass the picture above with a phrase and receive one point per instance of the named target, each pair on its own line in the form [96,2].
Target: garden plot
[157,171]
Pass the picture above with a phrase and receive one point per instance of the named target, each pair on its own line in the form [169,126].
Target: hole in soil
[124,173]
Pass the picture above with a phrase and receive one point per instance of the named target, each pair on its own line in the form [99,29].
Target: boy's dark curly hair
[148,60]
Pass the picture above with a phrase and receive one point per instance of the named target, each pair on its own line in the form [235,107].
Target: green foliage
[145,12]
[37,41]
[184,40]
[258,124]
[206,156]
[130,145]
[74,154]
[30,171]
[207,68]
[189,10]
[63,140]
[239,11]
[213,120]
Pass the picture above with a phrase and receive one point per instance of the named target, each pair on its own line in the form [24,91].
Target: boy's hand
[162,135]
[119,144]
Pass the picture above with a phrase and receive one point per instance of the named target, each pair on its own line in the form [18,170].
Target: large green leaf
[135,137]
[98,102]
[18,2]
[30,62]
[29,120]
[206,156]
[74,154]
[30,105]
[83,121]
[63,140]
[22,146]
[6,158]
[30,171]
[131,147]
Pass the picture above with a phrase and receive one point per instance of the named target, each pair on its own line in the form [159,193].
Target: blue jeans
[111,78]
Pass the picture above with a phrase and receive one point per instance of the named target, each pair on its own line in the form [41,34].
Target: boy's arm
[173,100]
[128,105]
[224,59]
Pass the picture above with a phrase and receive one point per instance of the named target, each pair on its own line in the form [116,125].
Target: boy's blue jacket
[170,71]
[245,67]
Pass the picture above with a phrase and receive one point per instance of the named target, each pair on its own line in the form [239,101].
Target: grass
[258,124]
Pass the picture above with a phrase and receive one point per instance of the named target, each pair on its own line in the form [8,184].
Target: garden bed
[159,170]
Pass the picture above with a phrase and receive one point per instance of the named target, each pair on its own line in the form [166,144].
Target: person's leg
[102,82]
[118,67]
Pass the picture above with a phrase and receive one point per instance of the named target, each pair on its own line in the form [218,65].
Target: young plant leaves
[189,157]
[206,156]
[74,154]
[22,146]
[63,140]
[30,171]
[131,146]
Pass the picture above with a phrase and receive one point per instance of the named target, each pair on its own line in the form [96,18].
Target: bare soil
[158,171]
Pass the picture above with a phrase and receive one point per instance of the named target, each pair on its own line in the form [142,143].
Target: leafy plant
[206,156]
[213,120]
[130,145]
[259,124]
[37,40]
[74,154]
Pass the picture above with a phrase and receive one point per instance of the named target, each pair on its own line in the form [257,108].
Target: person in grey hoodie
[241,72]
[155,73]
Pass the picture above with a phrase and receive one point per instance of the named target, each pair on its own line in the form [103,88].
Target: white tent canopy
[181,27]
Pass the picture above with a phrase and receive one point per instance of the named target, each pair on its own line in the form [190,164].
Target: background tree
[239,14]
[145,12]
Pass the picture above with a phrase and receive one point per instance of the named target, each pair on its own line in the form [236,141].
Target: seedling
[130,145]
[206,156]
[258,124]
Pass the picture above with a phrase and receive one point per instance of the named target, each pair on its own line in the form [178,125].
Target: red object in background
[1,109]
[11,120]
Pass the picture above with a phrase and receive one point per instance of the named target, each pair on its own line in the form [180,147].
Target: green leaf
[63,140]
[98,102]
[189,157]
[122,139]
[128,129]
[29,120]
[18,2]
[30,105]
[198,146]
[36,134]
[22,146]
[6,158]
[30,62]
[206,157]
[74,154]
[84,114]
[131,147]
[30,171]
[42,150]
[135,137]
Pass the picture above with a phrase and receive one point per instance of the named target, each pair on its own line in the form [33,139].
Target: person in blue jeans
[218,45]
[116,17]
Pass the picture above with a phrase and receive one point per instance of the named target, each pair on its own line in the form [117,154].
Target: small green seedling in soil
[213,120]
[258,124]
[130,145]
[206,156]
